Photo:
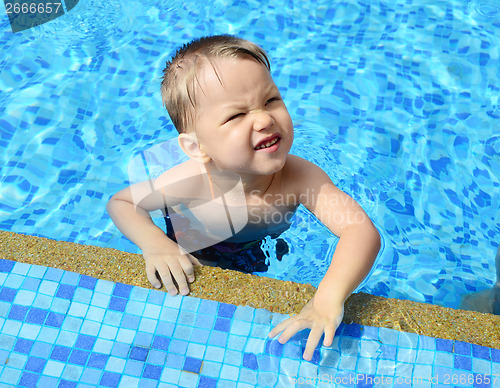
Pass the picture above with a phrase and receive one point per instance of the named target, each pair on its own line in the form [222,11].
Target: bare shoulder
[183,182]
[301,173]
[186,170]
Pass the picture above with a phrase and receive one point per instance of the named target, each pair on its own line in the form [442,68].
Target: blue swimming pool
[397,101]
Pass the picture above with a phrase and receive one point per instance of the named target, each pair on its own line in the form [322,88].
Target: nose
[262,120]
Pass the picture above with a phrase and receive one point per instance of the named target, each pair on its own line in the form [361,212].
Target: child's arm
[161,254]
[353,258]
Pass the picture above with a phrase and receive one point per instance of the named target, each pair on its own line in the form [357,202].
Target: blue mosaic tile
[444,345]
[152,372]
[388,352]
[139,353]
[352,330]
[122,290]
[120,349]
[250,361]
[156,297]
[7,294]
[274,348]
[160,342]
[207,382]
[54,319]
[31,284]
[190,304]
[87,282]
[85,342]
[462,348]
[205,321]
[200,336]
[495,355]
[54,274]
[41,350]
[175,361]
[29,380]
[18,312]
[462,362]
[157,357]
[78,357]
[186,318]
[110,379]
[226,310]
[218,338]
[427,343]
[134,368]
[214,353]
[192,365]
[6,265]
[36,315]
[117,304]
[35,364]
[195,350]
[97,360]
[60,353]
[23,345]
[65,291]
[71,279]
[222,324]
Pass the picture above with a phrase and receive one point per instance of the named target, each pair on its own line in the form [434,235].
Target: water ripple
[486,9]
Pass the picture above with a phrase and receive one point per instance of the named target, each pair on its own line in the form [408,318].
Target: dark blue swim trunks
[244,257]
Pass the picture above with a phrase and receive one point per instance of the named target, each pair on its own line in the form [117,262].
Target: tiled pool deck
[63,329]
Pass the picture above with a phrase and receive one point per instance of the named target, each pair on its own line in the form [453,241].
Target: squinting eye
[272,100]
[234,117]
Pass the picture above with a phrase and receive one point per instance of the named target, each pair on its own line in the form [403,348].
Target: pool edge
[277,296]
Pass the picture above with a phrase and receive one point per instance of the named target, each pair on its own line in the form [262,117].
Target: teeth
[268,144]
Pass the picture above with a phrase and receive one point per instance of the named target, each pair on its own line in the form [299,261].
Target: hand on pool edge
[167,268]
[319,317]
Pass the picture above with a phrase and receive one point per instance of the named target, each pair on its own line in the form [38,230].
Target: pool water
[397,101]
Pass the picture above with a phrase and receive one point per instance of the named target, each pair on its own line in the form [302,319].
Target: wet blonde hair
[180,73]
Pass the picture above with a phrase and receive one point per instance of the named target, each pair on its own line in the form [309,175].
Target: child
[236,130]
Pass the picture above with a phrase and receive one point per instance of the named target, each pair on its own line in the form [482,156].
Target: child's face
[242,123]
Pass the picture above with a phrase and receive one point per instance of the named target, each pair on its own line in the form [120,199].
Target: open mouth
[267,143]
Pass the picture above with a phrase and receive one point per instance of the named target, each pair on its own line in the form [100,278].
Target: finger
[151,275]
[332,328]
[329,334]
[166,278]
[180,277]
[312,342]
[194,260]
[187,268]
[281,326]
[293,329]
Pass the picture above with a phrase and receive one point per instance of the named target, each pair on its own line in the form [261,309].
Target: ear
[190,146]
